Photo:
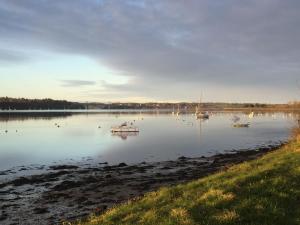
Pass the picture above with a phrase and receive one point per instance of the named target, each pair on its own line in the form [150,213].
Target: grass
[259,192]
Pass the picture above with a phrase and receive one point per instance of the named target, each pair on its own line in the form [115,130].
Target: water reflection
[35,138]
[124,135]
[21,116]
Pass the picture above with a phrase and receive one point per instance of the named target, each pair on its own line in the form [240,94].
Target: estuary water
[57,137]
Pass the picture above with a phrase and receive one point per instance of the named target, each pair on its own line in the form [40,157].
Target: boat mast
[200,102]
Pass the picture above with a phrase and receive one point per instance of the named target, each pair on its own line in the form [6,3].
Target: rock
[127,173]
[20,181]
[107,168]
[63,167]
[100,209]
[166,168]
[182,158]
[91,179]
[4,216]
[67,185]
[122,164]
[56,174]
[41,210]
[81,199]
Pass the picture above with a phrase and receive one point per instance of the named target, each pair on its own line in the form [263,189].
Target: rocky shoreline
[70,192]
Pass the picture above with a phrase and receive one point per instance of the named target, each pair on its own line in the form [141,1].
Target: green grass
[259,192]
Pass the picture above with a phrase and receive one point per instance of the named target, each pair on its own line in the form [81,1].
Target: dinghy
[239,125]
[202,115]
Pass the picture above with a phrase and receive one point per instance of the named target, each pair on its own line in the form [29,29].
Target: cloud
[11,56]
[229,43]
[77,83]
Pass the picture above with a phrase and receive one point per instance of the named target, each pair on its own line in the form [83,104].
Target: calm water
[33,138]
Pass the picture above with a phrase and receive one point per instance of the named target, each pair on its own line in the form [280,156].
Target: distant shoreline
[167,110]
[12,104]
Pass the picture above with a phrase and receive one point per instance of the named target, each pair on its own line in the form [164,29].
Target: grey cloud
[248,43]
[77,83]
[10,56]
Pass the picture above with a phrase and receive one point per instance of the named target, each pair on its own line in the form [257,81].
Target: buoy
[6,131]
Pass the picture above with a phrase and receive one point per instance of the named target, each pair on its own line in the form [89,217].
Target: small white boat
[124,128]
[251,115]
[202,115]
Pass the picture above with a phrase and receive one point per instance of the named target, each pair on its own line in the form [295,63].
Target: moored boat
[202,115]
[239,125]
[124,128]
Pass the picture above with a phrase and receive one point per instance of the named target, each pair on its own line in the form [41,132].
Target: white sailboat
[178,111]
[201,114]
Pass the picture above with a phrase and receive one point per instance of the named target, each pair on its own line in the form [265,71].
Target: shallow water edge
[71,192]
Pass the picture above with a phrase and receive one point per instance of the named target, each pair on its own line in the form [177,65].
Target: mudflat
[71,192]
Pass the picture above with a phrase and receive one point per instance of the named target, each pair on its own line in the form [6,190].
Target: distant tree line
[176,106]
[7,103]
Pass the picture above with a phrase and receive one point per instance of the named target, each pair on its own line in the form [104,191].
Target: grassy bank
[263,191]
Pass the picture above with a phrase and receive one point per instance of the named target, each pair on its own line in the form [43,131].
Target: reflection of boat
[178,111]
[123,135]
[235,119]
[173,112]
[124,128]
[239,125]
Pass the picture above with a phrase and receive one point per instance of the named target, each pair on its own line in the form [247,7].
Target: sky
[155,50]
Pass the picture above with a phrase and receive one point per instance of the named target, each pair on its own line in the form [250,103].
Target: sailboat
[178,112]
[201,114]
[196,111]
[173,112]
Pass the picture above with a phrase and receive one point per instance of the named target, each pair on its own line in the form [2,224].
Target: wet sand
[71,192]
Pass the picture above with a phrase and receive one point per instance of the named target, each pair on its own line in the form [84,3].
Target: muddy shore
[70,192]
